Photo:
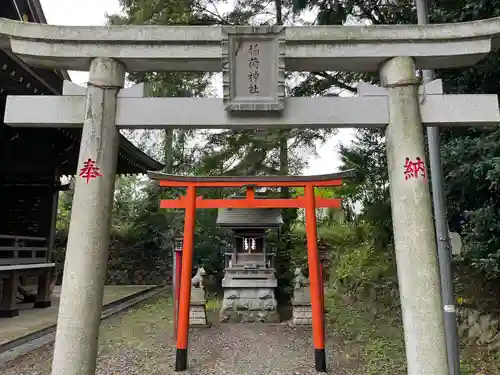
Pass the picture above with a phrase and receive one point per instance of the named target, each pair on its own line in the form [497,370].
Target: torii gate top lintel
[253,81]
[323,180]
[157,48]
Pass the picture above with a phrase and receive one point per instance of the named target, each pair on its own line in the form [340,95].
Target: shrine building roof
[22,146]
[249,217]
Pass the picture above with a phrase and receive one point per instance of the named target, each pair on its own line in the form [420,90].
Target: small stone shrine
[197,310]
[301,302]
[249,278]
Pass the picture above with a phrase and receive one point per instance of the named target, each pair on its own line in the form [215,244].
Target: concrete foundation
[249,296]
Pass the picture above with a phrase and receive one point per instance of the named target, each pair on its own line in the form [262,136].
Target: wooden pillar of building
[45,279]
[9,294]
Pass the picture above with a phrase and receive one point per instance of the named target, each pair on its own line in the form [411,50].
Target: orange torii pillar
[315,283]
[185,289]
[309,202]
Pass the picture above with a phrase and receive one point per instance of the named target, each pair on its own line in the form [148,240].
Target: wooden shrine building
[31,164]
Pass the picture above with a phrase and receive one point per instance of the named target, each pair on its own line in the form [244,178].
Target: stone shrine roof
[249,217]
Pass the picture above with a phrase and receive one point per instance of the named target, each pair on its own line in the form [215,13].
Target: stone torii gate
[253,61]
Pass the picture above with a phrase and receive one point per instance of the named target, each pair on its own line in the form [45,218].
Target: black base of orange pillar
[181,358]
[320,360]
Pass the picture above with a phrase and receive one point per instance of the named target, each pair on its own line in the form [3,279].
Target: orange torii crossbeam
[190,202]
[298,202]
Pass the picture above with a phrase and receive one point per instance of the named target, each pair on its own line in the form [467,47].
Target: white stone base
[197,316]
[302,315]
[197,311]
[302,311]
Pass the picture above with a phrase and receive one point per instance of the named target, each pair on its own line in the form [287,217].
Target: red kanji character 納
[414,169]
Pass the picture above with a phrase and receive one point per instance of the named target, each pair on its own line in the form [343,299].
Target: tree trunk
[283,151]
[169,150]
[279,12]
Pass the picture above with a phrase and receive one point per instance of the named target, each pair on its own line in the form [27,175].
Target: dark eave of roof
[144,159]
[136,160]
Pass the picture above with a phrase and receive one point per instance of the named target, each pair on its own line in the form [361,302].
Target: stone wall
[479,328]
[138,277]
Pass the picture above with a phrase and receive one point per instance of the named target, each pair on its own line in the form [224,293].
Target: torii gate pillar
[85,267]
[414,237]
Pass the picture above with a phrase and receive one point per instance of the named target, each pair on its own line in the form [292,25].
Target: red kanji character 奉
[414,169]
[89,170]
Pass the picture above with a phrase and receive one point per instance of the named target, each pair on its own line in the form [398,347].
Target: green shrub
[353,259]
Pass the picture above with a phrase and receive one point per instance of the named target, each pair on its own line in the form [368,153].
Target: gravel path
[261,349]
[138,345]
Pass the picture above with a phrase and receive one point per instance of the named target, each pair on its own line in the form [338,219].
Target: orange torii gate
[190,202]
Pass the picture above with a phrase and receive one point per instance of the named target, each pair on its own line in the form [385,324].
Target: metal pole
[441,225]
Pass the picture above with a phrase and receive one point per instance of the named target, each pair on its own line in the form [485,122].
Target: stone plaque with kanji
[253,68]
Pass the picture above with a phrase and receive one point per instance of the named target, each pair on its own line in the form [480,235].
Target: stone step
[249,317]
[249,283]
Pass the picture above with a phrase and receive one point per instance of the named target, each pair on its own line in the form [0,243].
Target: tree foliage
[470,156]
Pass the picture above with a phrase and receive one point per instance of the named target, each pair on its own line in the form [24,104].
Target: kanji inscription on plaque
[253,68]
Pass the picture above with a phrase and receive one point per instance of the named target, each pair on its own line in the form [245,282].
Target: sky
[92,12]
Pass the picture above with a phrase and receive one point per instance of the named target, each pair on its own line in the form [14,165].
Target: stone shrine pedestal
[197,307]
[301,307]
[301,301]
[249,296]
[197,311]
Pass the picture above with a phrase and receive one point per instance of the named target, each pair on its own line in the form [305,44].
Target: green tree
[64,211]
[137,201]
[470,156]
